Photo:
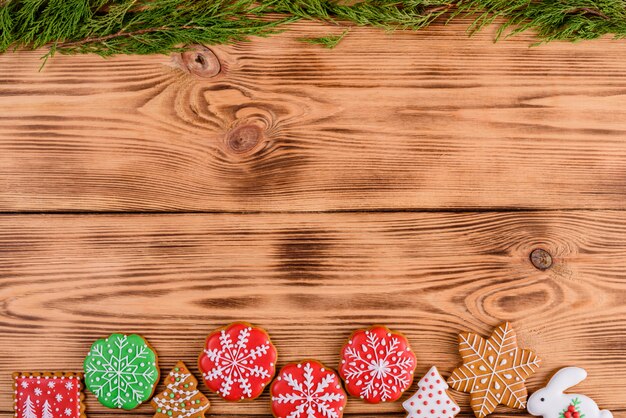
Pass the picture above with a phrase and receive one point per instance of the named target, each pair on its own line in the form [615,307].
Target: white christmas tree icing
[46,411]
[29,409]
[431,399]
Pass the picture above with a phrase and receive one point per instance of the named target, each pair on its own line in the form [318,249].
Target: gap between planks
[311,212]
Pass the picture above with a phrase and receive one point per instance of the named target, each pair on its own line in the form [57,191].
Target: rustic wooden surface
[401,179]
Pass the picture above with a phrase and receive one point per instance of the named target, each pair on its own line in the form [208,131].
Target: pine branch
[108,27]
[118,35]
[588,10]
[328,41]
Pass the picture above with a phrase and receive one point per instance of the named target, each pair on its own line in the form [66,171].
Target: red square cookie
[48,395]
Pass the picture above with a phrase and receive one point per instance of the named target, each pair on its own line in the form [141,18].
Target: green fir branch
[328,41]
[110,27]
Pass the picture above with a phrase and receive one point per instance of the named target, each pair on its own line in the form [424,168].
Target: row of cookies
[239,361]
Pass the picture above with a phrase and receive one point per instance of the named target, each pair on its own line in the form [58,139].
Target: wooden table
[400,179]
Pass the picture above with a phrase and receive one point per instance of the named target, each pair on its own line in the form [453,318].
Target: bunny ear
[566,378]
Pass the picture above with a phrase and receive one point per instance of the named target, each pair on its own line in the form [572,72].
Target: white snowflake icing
[309,398]
[69,386]
[51,384]
[25,384]
[379,365]
[38,392]
[68,411]
[58,397]
[124,373]
[235,363]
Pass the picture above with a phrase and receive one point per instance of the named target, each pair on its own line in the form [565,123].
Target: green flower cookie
[121,371]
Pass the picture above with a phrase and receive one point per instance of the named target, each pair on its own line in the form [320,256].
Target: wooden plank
[385,121]
[385,415]
[311,279]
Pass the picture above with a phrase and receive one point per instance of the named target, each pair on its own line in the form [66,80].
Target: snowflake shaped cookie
[121,370]
[238,361]
[45,395]
[307,390]
[494,370]
[377,365]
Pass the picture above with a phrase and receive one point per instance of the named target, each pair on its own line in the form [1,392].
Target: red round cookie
[307,390]
[238,361]
[377,365]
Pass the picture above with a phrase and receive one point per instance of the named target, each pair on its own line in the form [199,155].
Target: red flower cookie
[307,390]
[48,395]
[238,361]
[377,365]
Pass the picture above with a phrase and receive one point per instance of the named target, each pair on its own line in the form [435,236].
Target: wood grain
[399,121]
[311,279]
[385,415]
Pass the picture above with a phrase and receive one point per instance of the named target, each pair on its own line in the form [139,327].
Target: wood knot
[244,138]
[541,259]
[201,61]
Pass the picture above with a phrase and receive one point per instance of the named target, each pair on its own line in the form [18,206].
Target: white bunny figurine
[551,402]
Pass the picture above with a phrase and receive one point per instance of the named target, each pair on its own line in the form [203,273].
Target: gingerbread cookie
[431,399]
[553,402]
[181,398]
[121,370]
[48,395]
[238,361]
[377,365]
[493,370]
[307,390]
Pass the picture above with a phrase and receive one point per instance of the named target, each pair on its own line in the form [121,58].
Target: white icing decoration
[415,404]
[237,362]
[120,373]
[29,409]
[475,349]
[173,404]
[45,398]
[387,372]
[308,397]
[46,410]
[551,401]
